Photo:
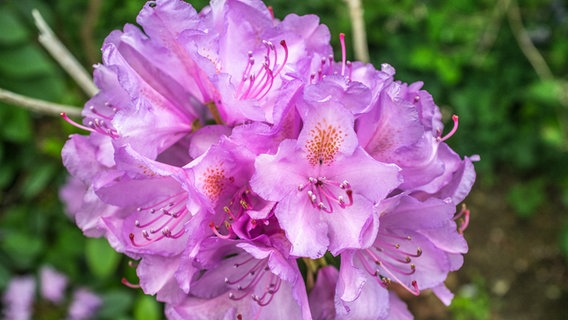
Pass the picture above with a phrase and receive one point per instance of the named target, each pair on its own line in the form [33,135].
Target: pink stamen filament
[390,234]
[237,265]
[257,272]
[241,204]
[251,84]
[320,191]
[171,200]
[266,89]
[111,107]
[350,67]
[129,284]
[246,72]
[172,210]
[285,46]
[260,83]
[251,272]
[215,230]
[390,266]
[270,290]
[94,111]
[343,53]
[455,119]
[166,233]
[97,126]
[405,259]
[269,47]
[323,195]
[463,217]
[398,250]
[414,290]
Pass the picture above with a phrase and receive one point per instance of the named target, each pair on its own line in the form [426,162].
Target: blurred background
[501,65]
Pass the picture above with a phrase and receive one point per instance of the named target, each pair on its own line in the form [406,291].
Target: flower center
[323,144]
[213,182]
[324,193]
[163,219]
[233,210]
[255,84]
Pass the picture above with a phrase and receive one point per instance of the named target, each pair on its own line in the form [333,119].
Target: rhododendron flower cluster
[251,175]
[20,300]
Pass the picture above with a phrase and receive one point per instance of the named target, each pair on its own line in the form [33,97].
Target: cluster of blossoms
[253,176]
[20,295]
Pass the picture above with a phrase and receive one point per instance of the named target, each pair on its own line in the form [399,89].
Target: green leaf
[147,308]
[4,276]
[116,304]
[564,240]
[68,246]
[52,146]
[13,30]
[101,258]
[423,58]
[15,123]
[50,87]
[547,92]
[527,197]
[37,179]
[23,248]
[25,61]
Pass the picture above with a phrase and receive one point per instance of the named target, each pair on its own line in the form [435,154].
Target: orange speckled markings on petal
[213,181]
[324,143]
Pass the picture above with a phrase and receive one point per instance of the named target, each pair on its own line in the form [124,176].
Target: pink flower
[18,298]
[325,184]
[52,284]
[227,151]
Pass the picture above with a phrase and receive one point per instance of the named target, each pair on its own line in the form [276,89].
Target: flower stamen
[260,83]
[166,215]
[455,119]
[323,191]
[463,218]
[95,126]
[391,261]
[248,281]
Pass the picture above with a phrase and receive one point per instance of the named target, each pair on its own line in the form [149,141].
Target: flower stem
[358,26]
[60,53]
[37,105]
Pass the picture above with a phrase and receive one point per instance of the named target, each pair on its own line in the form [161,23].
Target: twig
[37,105]
[58,51]
[489,36]
[361,47]
[525,43]
[87,30]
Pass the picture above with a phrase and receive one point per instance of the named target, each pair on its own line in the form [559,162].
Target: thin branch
[87,30]
[37,105]
[361,47]
[525,43]
[492,27]
[58,51]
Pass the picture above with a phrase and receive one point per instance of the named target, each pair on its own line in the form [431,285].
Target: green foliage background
[466,52]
